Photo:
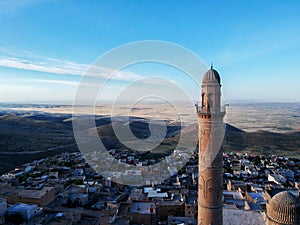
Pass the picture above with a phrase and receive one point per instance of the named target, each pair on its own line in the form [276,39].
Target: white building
[278,179]
[28,211]
[3,209]
[242,217]
[287,173]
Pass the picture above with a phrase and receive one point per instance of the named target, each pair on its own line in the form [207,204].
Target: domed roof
[283,208]
[211,77]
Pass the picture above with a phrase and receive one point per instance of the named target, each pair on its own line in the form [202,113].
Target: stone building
[191,209]
[142,212]
[40,197]
[170,208]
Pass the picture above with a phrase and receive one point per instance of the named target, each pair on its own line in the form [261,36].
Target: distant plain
[34,131]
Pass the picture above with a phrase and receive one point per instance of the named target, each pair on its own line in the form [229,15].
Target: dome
[283,208]
[211,76]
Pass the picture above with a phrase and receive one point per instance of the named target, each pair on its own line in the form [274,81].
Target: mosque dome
[283,208]
[211,77]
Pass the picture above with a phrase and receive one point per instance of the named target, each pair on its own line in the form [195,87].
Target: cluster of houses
[64,189]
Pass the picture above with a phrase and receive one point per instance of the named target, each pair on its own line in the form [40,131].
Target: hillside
[28,136]
[263,143]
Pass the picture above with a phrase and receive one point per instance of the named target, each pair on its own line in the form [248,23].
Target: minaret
[211,133]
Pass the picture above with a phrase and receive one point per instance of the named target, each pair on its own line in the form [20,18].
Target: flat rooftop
[242,217]
[21,206]
[34,194]
[142,207]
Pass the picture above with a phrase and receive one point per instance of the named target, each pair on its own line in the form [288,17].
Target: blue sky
[46,45]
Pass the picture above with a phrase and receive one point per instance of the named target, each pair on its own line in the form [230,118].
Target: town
[64,189]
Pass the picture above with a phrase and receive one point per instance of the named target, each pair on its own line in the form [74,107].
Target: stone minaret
[211,133]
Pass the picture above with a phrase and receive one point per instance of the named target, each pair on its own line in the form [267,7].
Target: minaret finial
[211,66]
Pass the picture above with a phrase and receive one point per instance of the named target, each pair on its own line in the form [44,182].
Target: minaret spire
[211,66]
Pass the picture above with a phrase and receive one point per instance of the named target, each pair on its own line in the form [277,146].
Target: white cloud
[33,88]
[28,61]
[156,80]
[63,82]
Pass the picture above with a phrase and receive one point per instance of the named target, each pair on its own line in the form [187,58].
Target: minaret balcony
[207,113]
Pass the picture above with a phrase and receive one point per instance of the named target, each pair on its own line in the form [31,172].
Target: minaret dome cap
[211,77]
